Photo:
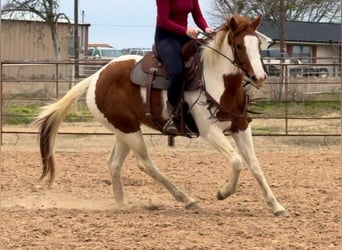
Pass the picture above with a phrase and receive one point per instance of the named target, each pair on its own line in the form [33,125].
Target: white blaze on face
[252,47]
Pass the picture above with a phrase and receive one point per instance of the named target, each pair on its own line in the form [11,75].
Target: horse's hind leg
[118,155]
[137,145]
[244,142]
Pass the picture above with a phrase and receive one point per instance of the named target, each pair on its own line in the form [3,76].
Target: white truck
[295,67]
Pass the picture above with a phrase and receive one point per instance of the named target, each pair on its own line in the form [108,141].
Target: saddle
[152,65]
[150,72]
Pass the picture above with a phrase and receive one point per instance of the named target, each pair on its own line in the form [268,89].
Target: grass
[267,130]
[18,114]
[314,141]
[313,109]
[24,114]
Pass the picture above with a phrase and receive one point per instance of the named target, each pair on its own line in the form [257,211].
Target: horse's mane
[221,35]
[209,52]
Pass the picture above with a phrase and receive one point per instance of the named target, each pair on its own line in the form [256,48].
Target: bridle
[236,62]
[212,103]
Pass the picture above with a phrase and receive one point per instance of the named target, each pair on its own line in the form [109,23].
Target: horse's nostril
[255,79]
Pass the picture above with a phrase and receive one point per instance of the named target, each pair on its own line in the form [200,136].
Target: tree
[46,10]
[296,10]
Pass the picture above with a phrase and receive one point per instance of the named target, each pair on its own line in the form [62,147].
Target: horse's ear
[226,24]
[231,23]
[255,24]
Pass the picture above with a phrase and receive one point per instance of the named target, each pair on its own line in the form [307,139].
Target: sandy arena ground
[79,211]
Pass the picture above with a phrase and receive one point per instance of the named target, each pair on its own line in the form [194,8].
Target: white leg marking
[244,142]
[136,142]
[215,136]
[118,155]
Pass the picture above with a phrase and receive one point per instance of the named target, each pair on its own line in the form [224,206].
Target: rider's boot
[170,126]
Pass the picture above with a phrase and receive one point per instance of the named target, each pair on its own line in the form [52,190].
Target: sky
[120,23]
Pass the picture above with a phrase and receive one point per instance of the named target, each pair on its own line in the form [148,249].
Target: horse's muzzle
[258,82]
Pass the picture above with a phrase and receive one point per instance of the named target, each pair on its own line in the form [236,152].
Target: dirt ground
[79,211]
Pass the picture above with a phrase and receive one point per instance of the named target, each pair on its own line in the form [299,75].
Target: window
[273,53]
[91,51]
[304,52]
[97,53]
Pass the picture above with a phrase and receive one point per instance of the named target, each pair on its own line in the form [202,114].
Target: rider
[172,32]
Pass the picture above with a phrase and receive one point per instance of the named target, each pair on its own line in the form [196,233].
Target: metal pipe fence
[295,101]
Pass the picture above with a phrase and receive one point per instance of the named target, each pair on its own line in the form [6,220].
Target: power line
[123,25]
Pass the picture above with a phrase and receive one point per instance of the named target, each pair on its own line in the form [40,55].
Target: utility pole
[0,99]
[0,83]
[341,79]
[282,30]
[76,40]
[283,67]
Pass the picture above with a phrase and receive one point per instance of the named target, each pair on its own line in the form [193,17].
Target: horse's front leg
[244,143]
[216,138]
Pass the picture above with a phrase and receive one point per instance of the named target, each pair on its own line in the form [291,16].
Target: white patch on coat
[90,98]
[165,113]
[215,67]
[252,46]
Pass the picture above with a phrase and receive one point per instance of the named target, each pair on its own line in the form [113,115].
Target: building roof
[302,31]
[30,17]
[102,45]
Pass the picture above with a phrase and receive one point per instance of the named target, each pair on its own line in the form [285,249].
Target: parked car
[307,70]
[138,51]
[296,68]
[272,61]
[103,53]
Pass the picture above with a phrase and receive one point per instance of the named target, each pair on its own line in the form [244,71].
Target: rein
[211,101]
[234,62]
[216,50]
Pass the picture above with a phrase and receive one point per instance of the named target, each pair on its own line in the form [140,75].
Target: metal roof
[303,31]
[29,16]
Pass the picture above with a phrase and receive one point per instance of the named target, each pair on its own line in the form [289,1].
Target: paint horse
[119,104]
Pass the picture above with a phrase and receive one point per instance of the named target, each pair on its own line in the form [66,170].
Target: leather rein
[211,101]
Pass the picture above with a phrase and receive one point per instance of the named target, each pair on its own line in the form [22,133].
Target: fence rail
[294,102]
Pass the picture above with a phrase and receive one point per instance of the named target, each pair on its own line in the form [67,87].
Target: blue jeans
[169,46]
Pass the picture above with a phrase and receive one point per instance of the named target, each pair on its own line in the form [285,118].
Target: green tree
[46,10]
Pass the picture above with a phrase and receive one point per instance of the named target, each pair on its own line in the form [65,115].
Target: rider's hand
[192,32]
[208,30]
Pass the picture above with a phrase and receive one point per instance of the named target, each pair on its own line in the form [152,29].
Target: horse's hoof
[192,206]
[220,197]
[282,213]
[124,206]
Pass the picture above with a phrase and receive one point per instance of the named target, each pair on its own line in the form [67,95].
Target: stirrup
[170,127]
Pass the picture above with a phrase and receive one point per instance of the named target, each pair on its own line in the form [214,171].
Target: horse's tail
[49,121]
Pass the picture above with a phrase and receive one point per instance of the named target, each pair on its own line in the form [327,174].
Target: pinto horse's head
[245,43]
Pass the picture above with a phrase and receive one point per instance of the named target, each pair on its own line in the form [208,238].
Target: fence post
[57,83]
[286,76]
[1,101]
[170,141]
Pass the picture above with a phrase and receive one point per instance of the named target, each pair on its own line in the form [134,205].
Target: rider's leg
[169,51]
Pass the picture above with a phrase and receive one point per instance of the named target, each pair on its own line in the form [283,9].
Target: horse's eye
[239,47]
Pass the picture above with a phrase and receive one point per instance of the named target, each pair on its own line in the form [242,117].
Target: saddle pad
[139,77]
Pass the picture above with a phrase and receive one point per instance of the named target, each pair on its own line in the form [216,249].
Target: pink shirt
[172,15]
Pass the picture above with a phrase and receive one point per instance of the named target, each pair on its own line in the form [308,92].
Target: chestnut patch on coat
[233,99]
[120,100]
